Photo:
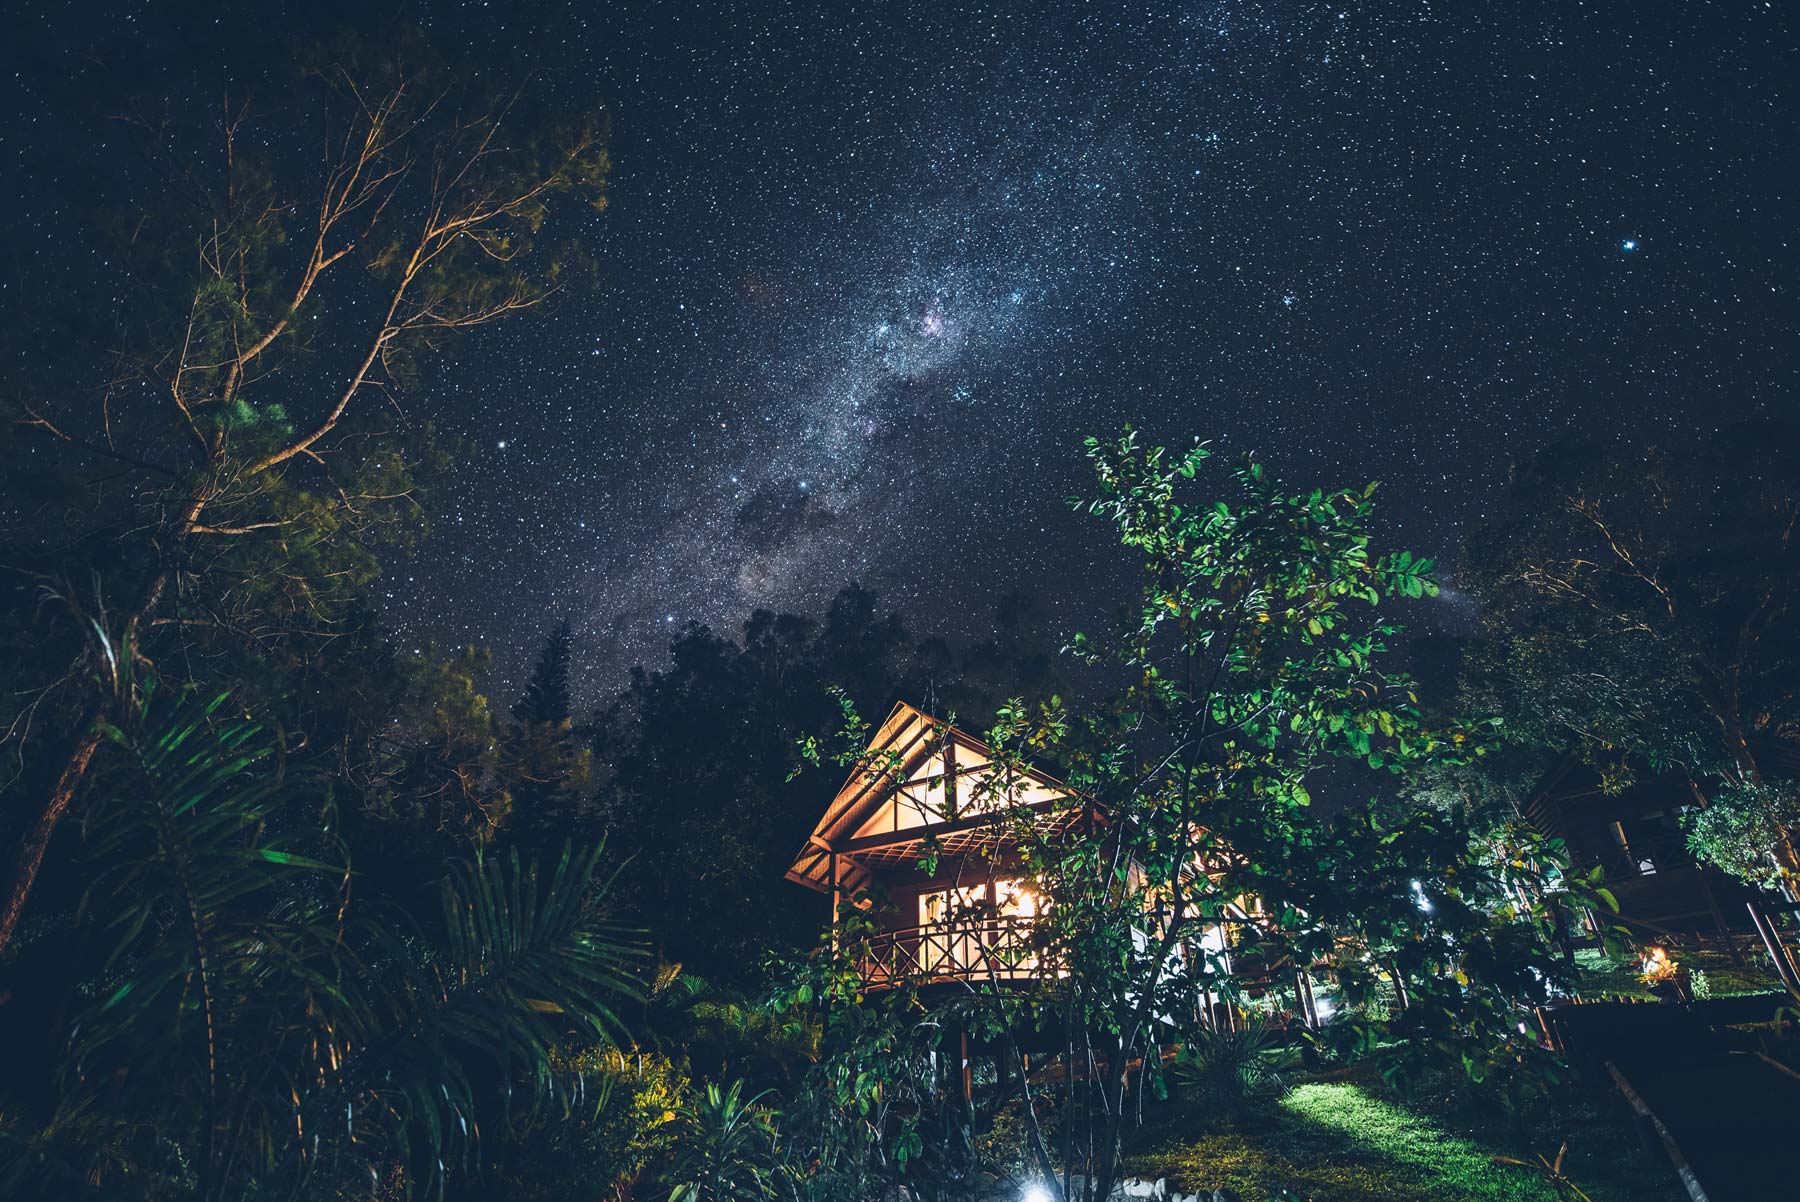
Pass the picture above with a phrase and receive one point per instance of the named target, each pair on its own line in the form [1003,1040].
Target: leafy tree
[322,244]
[1742,826]
[1640,604]
[700,754]
[1256,660]
[435,766]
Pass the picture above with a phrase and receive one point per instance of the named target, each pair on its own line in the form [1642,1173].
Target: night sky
[869,276]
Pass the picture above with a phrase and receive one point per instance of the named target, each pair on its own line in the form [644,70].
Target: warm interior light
[1016,901]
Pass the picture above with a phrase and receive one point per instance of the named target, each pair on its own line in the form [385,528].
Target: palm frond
[224,972]
[529,961]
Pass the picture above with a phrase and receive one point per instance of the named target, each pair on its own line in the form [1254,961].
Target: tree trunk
[37,840]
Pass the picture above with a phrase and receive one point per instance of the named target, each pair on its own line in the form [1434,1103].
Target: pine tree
[546,698]
[550,769]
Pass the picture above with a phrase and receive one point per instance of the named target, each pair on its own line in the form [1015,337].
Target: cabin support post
[836,900]
[1784,967]
[1718,917]
[1399,983]
[1308,1004]
[966,1072]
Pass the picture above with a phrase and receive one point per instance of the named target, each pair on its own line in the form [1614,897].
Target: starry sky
[870,273]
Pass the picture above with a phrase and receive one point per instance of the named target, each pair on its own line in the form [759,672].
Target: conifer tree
[550,769]
[546,698]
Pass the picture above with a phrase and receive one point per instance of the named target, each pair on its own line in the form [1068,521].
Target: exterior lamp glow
[1657,965]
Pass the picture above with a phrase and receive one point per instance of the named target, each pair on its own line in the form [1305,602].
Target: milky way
[869,278]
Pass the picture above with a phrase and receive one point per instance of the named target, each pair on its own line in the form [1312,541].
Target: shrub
[1231,1069]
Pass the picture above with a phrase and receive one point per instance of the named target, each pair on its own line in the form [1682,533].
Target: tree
[313,251]
[1640,605]
[546,698]
[1255,652]
[550,771]
[700,754]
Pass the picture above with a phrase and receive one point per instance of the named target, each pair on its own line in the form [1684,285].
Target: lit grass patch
[1335,1142]
[1447,1166]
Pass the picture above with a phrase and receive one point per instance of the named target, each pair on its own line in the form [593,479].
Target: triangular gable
[909,803]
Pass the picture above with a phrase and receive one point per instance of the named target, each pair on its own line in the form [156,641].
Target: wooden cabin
[926,788]
[1634,834]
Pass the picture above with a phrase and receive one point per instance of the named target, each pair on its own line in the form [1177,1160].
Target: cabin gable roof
[883,818]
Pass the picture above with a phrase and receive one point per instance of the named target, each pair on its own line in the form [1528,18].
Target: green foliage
[1228,1069]
[1742,828]
[701,752]
[727,1151]
[1256,664]
[869,1111]
[620,1124]
[258,1025]
[435,764]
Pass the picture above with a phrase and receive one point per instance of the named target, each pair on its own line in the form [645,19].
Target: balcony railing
[974,950]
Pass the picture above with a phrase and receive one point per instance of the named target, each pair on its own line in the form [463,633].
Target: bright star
[1629,245]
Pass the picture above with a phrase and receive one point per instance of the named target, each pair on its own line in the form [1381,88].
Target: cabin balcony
[996,949]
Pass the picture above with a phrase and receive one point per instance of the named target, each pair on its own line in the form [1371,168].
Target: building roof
[919,779]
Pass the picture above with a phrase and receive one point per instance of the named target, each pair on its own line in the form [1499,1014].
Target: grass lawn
[1337,1141]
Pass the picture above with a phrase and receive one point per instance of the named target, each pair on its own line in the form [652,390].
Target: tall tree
[291,257]
[1256,656]
[546,697]
[549,770]
[701,753]
[1641,604]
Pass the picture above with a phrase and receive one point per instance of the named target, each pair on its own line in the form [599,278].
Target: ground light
[1035,1192]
